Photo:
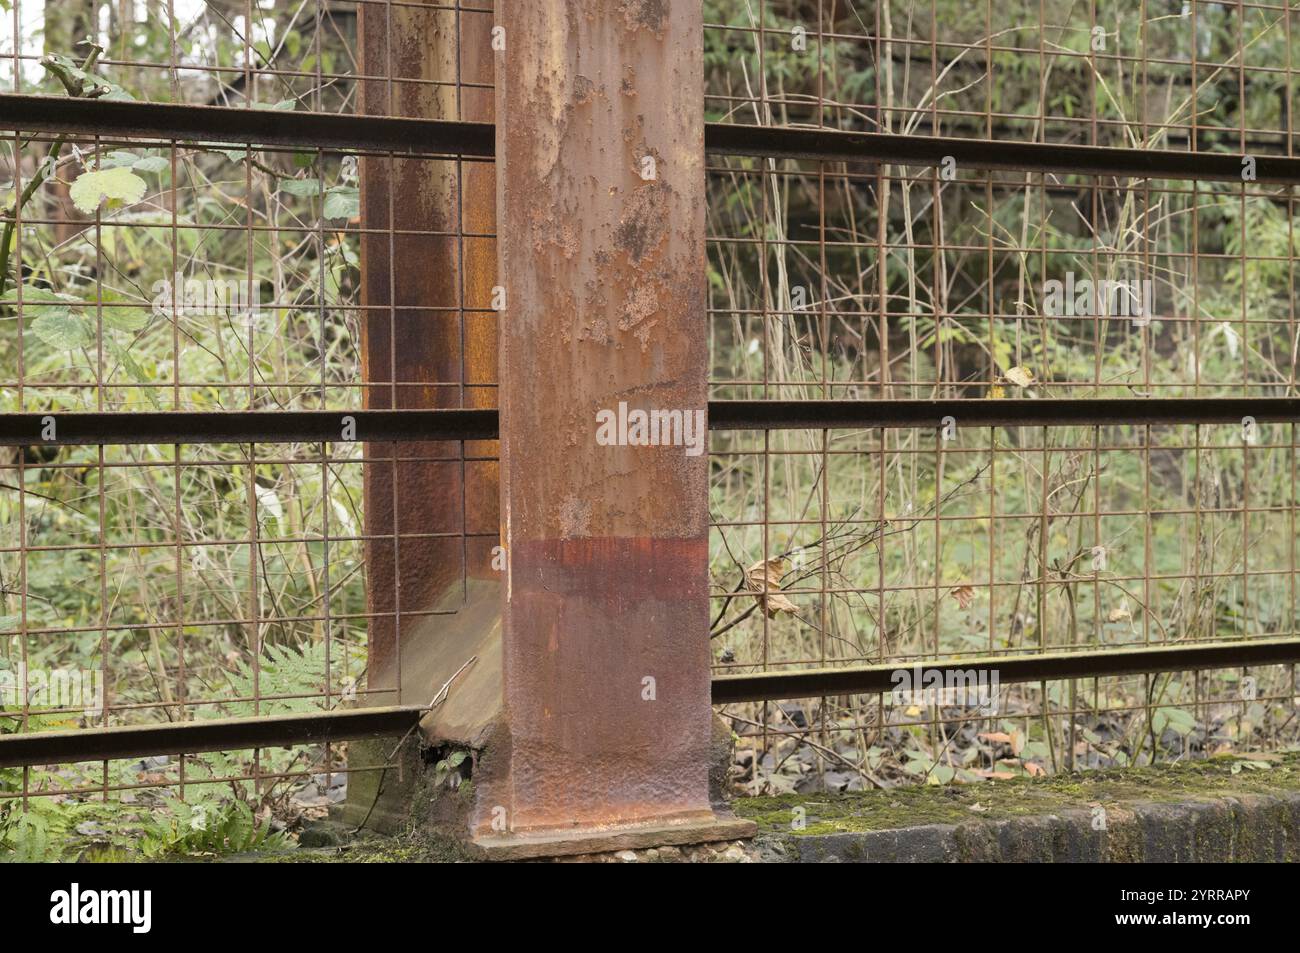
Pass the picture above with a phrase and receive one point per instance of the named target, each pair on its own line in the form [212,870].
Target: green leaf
[63,331]
[303,188]
[38,302]
[457,759]
[117,187]
[1253,765]
[342,201]
[153,164]
[89,83]
[125,319]
[137,373]
[117,159]
[1181,721]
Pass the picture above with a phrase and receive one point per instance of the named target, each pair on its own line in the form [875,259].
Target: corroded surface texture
[415,332]
[604,267]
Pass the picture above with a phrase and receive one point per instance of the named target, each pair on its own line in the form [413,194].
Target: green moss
[906,807]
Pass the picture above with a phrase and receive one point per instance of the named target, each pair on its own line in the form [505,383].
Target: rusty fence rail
[218,427]
[138,741]
[332,131]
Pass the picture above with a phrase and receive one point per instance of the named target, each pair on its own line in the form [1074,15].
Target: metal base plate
[566,843]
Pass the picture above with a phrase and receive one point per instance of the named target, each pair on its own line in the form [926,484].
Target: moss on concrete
[1000,800]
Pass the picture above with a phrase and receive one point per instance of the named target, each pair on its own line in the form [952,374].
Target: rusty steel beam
[256,426]
[407,345]
[831,145]
[1053,666]
[397,133]
[981,412]
[601,202]
[227,124]
[213,734]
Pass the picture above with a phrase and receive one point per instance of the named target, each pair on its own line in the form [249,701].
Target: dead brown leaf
[766,574]
[1020,376]
[964,595]
[1035,770]
[995,737]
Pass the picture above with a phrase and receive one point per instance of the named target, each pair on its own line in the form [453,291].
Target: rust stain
[645,14]
[644,226]
[404,341]
[583,90]
[637,312]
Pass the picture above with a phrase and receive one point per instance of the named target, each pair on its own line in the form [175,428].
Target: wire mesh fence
[199,578]
[878,281]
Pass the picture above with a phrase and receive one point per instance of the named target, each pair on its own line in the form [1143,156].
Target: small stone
[627,856]
[670,853]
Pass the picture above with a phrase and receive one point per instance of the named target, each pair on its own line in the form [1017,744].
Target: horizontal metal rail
[309,426]
[872,679]
[316,426]
[217,734]
[792,142]
[230,734]
[828,414]
[273,127]
[266,127]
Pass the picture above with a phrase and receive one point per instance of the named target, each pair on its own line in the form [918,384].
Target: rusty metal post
[600,184]
[418,333]
[428,340]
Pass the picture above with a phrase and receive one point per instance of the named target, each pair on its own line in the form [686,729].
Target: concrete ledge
[1205,812]
[1257,829]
